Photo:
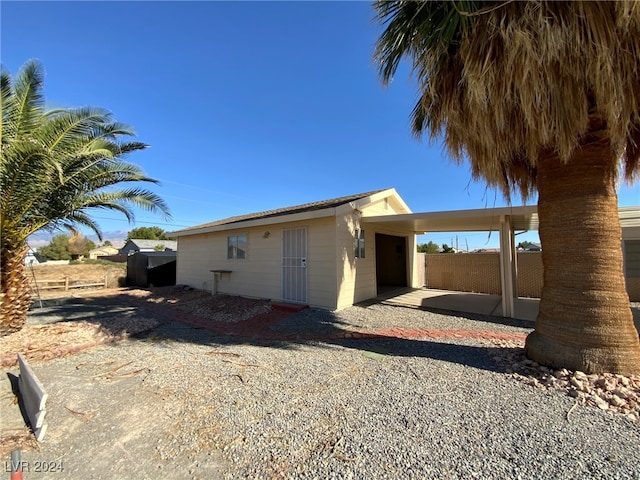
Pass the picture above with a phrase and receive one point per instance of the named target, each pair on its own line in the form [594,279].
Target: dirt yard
[113,275]
[74,322]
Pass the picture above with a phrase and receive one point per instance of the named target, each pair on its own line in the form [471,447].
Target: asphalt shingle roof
[307,207]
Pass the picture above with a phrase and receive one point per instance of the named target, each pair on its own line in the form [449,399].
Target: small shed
[151,269]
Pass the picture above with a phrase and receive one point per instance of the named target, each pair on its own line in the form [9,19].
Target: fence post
[66,284]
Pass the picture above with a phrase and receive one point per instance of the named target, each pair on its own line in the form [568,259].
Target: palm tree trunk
[15,293]
[585,321]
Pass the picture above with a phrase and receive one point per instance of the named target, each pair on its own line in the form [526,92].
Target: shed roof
[166,253]
[151,244]
[279,212]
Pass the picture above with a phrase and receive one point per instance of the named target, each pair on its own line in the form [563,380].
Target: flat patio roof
[506,220]
[481,219]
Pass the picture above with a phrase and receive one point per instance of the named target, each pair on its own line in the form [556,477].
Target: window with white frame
[237,246]
[358,242]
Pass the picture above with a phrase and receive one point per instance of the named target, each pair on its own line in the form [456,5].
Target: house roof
[151,244]
[305,208]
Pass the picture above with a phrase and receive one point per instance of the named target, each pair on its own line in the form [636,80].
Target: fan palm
[55,167]
[540,97]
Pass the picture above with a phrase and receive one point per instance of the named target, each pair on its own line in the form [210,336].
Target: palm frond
[58,166]
[6,98]
[502,82]
[139,197]
[67,127]
[79,218]
[25,107]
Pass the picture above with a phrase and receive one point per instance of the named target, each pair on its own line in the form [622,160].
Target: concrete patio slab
[478,303]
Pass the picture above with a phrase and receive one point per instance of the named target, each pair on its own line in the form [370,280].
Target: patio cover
[482,219]
[505,220]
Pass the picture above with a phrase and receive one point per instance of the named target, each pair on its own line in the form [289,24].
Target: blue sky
[247,106]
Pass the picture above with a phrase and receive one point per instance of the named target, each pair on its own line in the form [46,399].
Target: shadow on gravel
[319,328]
[90,309]
[378,348]
[467,355]
[509,322]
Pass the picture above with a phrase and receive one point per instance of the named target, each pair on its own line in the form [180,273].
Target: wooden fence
[67,284]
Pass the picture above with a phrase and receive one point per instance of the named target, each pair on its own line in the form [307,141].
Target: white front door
[294,265]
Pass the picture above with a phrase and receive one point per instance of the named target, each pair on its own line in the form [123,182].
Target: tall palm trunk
[585,321]
[15,294]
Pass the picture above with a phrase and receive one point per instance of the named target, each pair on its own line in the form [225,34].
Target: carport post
[507,266]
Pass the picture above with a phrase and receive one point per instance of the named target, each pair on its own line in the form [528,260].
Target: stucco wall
[260,273]
[356,277]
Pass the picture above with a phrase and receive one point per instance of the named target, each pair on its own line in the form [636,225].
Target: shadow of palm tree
[320,328]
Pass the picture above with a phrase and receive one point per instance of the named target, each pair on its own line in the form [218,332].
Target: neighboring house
[630,221]
[319,254]
[102,252]
[33,258]
[137,245]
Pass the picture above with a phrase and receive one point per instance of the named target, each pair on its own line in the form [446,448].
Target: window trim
[233,244]
[359,244]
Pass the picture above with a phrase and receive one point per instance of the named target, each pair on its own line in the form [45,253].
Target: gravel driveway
[181,402]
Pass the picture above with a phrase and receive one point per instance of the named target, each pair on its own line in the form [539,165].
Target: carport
[505,220]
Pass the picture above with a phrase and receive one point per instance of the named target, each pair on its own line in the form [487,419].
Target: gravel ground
[182,403]
[379,317]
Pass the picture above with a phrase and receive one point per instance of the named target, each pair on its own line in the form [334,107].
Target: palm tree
[55,167]
[540,97]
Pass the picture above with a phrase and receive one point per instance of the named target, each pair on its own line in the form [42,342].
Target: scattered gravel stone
[181,402]
[614,393]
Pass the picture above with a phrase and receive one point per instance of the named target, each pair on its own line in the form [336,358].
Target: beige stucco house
[321,254]
[103,251]
[334,253]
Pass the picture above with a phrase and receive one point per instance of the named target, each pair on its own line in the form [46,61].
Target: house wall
[356,277]
[631,250]
[352,273]
[260,273]
[102,252]
[383,207]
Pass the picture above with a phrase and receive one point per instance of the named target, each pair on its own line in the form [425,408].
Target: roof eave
[259,222]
